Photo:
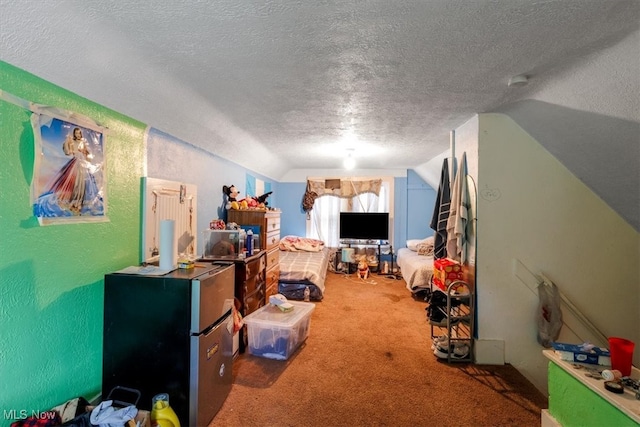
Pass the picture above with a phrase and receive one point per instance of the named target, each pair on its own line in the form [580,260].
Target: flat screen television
[364,226]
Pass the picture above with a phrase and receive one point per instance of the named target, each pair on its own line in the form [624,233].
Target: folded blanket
[295,243]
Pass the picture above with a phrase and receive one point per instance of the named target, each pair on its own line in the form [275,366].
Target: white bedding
[305,268]
[416,269]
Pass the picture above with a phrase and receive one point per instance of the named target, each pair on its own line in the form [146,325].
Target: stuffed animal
[262,200]
[248,202]
[363,268]
[232,193]
[217,224]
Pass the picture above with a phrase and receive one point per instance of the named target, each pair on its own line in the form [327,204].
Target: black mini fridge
[171,334]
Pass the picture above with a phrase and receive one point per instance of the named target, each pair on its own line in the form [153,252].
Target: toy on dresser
[232,194]
[249,202]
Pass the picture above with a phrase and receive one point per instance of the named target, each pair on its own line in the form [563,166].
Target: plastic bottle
[162,415]
[249,244]
[242,240]
[307,294]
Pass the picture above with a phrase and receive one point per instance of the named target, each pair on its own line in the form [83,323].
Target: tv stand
[378,244]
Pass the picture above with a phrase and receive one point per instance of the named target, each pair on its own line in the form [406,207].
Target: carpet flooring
[367,362]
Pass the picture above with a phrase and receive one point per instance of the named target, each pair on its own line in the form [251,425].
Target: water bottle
[249,244]
[307,294]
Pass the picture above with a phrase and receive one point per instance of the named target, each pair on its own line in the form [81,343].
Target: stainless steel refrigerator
[171,334]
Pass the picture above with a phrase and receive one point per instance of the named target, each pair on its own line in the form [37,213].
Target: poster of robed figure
[69,183]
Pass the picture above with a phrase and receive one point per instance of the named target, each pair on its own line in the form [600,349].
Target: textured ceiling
[276,85]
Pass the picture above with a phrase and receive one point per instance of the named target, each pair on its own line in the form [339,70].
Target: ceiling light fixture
[518,81]
[349,162]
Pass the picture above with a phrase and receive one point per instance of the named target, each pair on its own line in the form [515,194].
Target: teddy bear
[232,193]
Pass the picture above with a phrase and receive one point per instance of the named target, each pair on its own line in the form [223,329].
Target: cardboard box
[144,418]
[579,354]
[446,271]
[275,334]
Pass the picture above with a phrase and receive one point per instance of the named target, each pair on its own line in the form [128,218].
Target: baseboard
[489,352]
[547,420]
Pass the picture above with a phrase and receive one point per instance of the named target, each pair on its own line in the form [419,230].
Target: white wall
[173,159]
[605,82]
[588,116]
[533,211]
[430,171]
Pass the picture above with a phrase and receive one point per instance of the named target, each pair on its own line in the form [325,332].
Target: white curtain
[325,215]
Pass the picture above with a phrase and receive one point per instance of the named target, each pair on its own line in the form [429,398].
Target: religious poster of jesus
[69,182]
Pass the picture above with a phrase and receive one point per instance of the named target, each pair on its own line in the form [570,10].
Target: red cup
[621,351]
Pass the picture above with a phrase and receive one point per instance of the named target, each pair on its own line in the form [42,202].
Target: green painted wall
[51,293]
[573,404]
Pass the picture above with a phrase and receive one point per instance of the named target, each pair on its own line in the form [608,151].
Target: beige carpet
[367,362]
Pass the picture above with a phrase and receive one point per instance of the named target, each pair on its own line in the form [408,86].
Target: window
[324,219]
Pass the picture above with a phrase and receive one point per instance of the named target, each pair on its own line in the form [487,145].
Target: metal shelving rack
[460,319]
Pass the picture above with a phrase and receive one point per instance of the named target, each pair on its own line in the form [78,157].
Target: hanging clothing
[309,198]
[458,215]
[441,213]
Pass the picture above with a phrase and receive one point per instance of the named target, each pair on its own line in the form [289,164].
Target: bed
[416,264]
[302,266]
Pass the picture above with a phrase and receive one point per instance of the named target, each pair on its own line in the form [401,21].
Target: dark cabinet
[171,334]
[249,288]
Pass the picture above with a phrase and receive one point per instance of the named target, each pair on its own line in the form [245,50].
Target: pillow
[412,244]
[425,249]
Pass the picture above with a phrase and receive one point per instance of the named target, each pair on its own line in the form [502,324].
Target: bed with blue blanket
[301,269]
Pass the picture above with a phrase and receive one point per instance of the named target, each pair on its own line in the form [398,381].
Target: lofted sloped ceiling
[277,85]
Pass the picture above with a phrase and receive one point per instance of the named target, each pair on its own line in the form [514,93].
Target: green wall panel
[573,404]
[51,291]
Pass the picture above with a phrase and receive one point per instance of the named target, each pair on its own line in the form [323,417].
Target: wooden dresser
[268,225]
[250,288]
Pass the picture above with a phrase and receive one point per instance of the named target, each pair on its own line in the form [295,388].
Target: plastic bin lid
[272,315]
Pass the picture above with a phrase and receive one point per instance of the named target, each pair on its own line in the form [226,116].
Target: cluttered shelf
[382,248]
[590,376]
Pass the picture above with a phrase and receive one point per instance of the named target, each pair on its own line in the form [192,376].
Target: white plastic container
[275,334]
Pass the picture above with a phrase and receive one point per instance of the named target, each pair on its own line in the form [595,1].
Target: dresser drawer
[253,283]
[271,284]
[273,239]
[254,266]
[273,258]
[272,224]
[253,301]
[273,276]
[271,290]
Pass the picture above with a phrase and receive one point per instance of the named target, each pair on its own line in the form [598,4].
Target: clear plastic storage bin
[275,334]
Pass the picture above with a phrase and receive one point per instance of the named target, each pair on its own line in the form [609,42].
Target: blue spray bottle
[249,243]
